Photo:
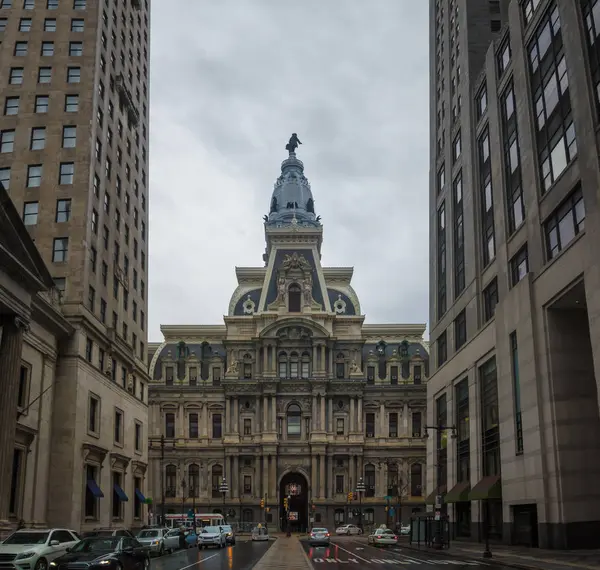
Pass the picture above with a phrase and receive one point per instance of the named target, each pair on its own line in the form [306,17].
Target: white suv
[34,549]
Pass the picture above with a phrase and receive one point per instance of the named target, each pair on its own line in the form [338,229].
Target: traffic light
[262,503]
[350,495]
[285,503]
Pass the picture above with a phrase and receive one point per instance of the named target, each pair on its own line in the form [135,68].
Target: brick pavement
[286,554]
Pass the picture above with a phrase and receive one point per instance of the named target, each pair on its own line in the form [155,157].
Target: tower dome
[292,200]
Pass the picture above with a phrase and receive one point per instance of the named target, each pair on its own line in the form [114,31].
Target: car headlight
[154,542]
[104,562]
[53,564]
[24,555]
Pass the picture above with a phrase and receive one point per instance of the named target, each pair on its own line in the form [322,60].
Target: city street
[345,551]
[243,556]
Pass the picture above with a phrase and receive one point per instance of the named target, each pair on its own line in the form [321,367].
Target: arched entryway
[294,487]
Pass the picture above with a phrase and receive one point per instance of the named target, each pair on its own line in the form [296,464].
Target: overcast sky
[230,81]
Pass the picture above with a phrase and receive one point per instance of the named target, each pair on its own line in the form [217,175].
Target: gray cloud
[231,79]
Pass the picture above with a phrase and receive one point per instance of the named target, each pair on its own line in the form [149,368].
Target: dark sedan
[106,553]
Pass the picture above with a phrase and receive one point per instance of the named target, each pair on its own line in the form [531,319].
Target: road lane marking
[199,561]
[352,553]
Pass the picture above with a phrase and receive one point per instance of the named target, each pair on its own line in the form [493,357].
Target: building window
[393,425]
[283,365]
[71,103]
[416,480]
[73,75]
[459,236]
[339,484]
[170,481]
[45,75]
[441,179]
[11,106]
[514,362]
[91,500]
[16,76]
[63,210]
[591,16]
[137,503]
[556,143]
[441,261]
[24,25]
[30,213]
[50,25]
[456,147]
[519,266]
[294,298]
[34,176]
[490,447]
[393,375]
[370,424]
[15,504]
[94,415]
[69,139]
[38,138]
[41,103]
[170,425]
[369,481]
[442,349]
[23,393]
[339,426]
[565,223]
[490,300]
[193,426]
[441,415]
[247,426]
[77,25]
[89,345]
[463,455]
[217,428]
[117,499]
[47,49]
[5,177]
[294,421]
[504,57]
[460,330]
[75,49]
[119,427]
[60,248]
[194,480]
[370,375]
[7,141]
[528,7]
[20,49]
[512,160]
[416,424]
[67,173]
[217,477]
[481,101]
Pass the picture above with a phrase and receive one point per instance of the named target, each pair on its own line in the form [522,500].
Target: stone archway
[294,486]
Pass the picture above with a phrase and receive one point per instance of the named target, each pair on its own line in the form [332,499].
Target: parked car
[35,549]
[229,534]
[110,552]
[108,532]
[348,529]
[154,540]
[383,537]
[171,540]
[405,530]
[319,537]
[212,536]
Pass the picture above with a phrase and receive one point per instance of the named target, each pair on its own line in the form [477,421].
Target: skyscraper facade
[74,159]
[515,273]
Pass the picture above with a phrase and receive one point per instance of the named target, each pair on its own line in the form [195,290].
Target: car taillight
[395,538]
[326,534]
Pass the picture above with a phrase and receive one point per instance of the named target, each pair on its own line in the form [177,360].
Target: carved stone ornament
[249,306]
[295,261]
[339,306]
[355,368]
[234,368]
[294,333]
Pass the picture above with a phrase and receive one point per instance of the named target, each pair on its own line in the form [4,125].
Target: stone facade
[293,395]
[519,380]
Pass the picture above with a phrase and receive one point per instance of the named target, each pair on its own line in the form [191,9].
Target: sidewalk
[520,557]
[286,554]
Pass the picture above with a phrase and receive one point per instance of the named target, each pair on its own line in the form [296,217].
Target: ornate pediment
[139,468]
[294,333]
[93,453]
[119,461]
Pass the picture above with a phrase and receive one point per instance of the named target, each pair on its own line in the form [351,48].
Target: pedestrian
[182,544]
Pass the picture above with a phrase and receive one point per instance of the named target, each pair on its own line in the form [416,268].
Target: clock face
[380,350]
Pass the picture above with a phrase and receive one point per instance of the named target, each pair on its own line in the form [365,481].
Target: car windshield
[27,538]
[97,544]
[319,530]
[149,534]
[211,530]
[227,528]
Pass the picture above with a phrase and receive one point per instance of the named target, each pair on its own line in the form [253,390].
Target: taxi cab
[383,536]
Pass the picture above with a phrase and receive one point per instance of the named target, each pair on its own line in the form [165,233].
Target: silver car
[212,536]
[154,540]
[319,537]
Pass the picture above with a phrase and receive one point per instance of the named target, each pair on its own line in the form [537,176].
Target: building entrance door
[294,487]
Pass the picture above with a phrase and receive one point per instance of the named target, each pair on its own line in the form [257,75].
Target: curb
[473,558]
[306,558]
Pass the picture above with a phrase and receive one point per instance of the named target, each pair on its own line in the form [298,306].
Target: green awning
[430,500]
[488,488]
[459,493]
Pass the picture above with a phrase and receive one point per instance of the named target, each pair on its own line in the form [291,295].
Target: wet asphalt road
[345,552]
[243,556]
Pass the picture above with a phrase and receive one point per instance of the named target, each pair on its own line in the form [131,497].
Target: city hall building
[293,396]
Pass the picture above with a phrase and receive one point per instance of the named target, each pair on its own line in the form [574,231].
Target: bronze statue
[292,145]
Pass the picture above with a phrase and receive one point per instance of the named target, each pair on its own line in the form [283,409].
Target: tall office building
[515,276]
[74,159]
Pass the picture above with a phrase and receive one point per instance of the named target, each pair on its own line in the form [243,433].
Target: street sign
[191,514]
[387,498]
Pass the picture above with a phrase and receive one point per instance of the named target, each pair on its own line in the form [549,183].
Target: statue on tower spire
[292,145]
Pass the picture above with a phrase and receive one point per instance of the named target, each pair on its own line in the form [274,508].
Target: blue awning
[94,489]
[140,496]
[120,493]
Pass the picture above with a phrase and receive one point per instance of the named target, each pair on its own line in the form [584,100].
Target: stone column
[313,476]
[315,358]
[360,415]
[322,477]
[382,420]
[330,428]
[227,415]
[407,426]
[314,413]
[265,358]
[236,477]
[236,415]
[273,479]
[330,476]
[274,413]
[204,412]
[323,424]
[352,415]
[181,423]
[323,356]
[265,413]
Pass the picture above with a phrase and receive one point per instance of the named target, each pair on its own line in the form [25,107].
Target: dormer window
[339,370]
[417,374]
[394,375]
[193,376]
[370,375]
[169,375]
[247,370]
[294,299]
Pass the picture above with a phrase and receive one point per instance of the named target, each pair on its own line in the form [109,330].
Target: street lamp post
[183,485]
[223,487]
[360,489]
[438,542]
